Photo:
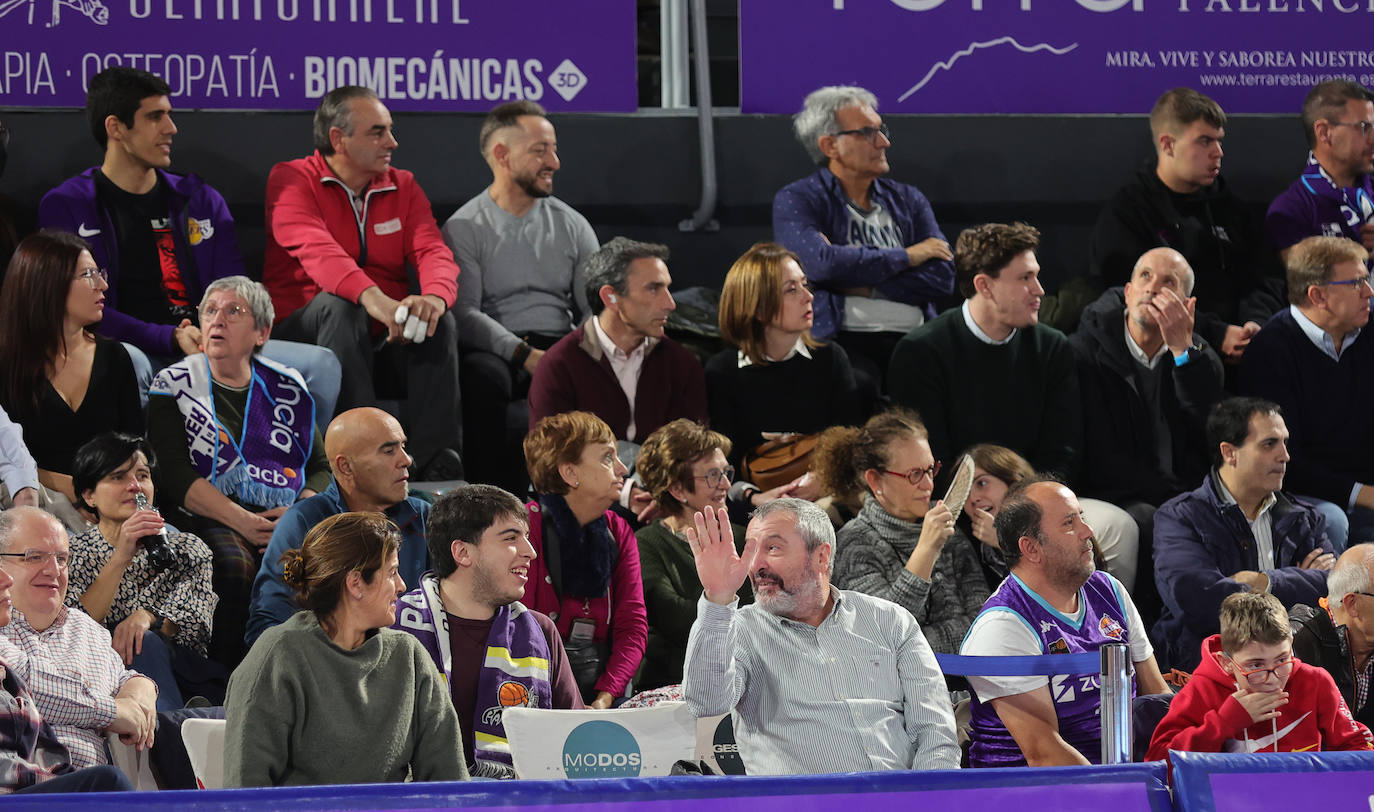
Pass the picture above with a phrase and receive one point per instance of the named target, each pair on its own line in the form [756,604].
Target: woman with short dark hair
[332,696]
[151,587]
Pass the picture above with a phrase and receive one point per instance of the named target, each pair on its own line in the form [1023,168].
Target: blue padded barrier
[1124,788]
[1039,665]
[1247,782]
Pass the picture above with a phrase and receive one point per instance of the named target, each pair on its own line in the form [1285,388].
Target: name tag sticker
[389,227]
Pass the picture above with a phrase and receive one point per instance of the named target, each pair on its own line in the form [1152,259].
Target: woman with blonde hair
[899,547]
[333,696]
[775,377]
[683,466]
[586,574]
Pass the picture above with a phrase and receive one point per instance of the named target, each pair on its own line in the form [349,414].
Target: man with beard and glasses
[493,651]
[1238,531]
[817,679]
[1054,601]
[522,252]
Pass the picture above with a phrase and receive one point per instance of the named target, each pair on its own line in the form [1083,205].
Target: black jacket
[1239,278]
[1315,643]
[1121,462]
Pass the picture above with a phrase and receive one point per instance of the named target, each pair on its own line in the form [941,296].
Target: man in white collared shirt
[1237,531]
[991,373]
[1314,360]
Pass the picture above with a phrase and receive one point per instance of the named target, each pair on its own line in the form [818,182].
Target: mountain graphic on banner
[974,46]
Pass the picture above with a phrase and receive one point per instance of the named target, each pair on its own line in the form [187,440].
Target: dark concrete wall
[639,175]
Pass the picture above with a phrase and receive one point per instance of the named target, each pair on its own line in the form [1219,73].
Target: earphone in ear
[612,298]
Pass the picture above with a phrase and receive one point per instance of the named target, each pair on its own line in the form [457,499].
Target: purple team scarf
[515,671]
[1356,202]
[265,465]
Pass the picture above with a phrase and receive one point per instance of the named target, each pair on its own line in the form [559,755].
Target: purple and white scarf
[265,465]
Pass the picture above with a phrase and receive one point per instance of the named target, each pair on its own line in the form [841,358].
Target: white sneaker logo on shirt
[82,231]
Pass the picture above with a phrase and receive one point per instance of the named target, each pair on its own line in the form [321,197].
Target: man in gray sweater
[521,251]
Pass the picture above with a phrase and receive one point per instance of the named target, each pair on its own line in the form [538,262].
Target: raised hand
[721,570]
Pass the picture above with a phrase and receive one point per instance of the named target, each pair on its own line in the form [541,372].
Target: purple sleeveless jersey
[1077,697]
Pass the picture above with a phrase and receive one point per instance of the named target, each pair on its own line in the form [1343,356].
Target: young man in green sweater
[989,372]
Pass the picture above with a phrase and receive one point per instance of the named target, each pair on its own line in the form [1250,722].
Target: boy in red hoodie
[1250,694]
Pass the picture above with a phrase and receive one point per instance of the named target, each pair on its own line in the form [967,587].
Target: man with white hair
[870,245]
[1338,635]
[857,678]
[52,646]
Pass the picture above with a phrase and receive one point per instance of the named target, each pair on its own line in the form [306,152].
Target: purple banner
[1247,792]
[441,55]
[1051,56]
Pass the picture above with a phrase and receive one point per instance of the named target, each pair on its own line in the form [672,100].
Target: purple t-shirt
[1077,697]
[1314,206]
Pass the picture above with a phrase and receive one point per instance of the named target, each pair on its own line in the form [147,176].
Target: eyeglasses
[1366,594]
[1366,128]
[1259,676]
[870,133]
[714,476]
[37,558]
[233,313]
[90,275]
[1355,283]
[914,475]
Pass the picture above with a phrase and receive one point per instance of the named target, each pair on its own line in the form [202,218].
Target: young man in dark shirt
[468,615]
[160,237]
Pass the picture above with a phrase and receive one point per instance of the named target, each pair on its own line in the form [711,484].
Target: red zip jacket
[316,241]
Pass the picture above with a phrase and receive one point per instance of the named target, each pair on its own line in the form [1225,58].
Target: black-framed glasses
[870,133]
[91,274]
[1354,283]
[714,476]
[1259,676]
[915,474]
[37,558]
[233,313]
[1365,128]
[1366,594]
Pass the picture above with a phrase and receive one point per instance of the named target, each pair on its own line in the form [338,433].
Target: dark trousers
[179,672]
[869,355]
[170,764]
[431,411]
[236,564]
[492,452]
[103,778]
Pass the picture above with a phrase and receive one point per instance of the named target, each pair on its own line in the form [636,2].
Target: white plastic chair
[636,742]
[204,739]
[131,761]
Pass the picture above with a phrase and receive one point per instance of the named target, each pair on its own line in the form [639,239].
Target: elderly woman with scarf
[236,436]
[586,575]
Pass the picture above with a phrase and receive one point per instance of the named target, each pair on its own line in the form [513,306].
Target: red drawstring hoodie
[1204,717]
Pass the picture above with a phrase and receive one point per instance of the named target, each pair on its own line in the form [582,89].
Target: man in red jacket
[344,231]
[1250,695]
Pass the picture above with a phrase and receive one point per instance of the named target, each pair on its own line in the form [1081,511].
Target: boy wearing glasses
[1250,694]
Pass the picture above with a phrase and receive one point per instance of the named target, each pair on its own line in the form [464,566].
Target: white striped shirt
[860,692]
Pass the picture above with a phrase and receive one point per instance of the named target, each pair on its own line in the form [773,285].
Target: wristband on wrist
[521,353]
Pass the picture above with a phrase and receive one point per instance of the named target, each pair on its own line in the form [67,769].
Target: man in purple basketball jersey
[1053,602]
